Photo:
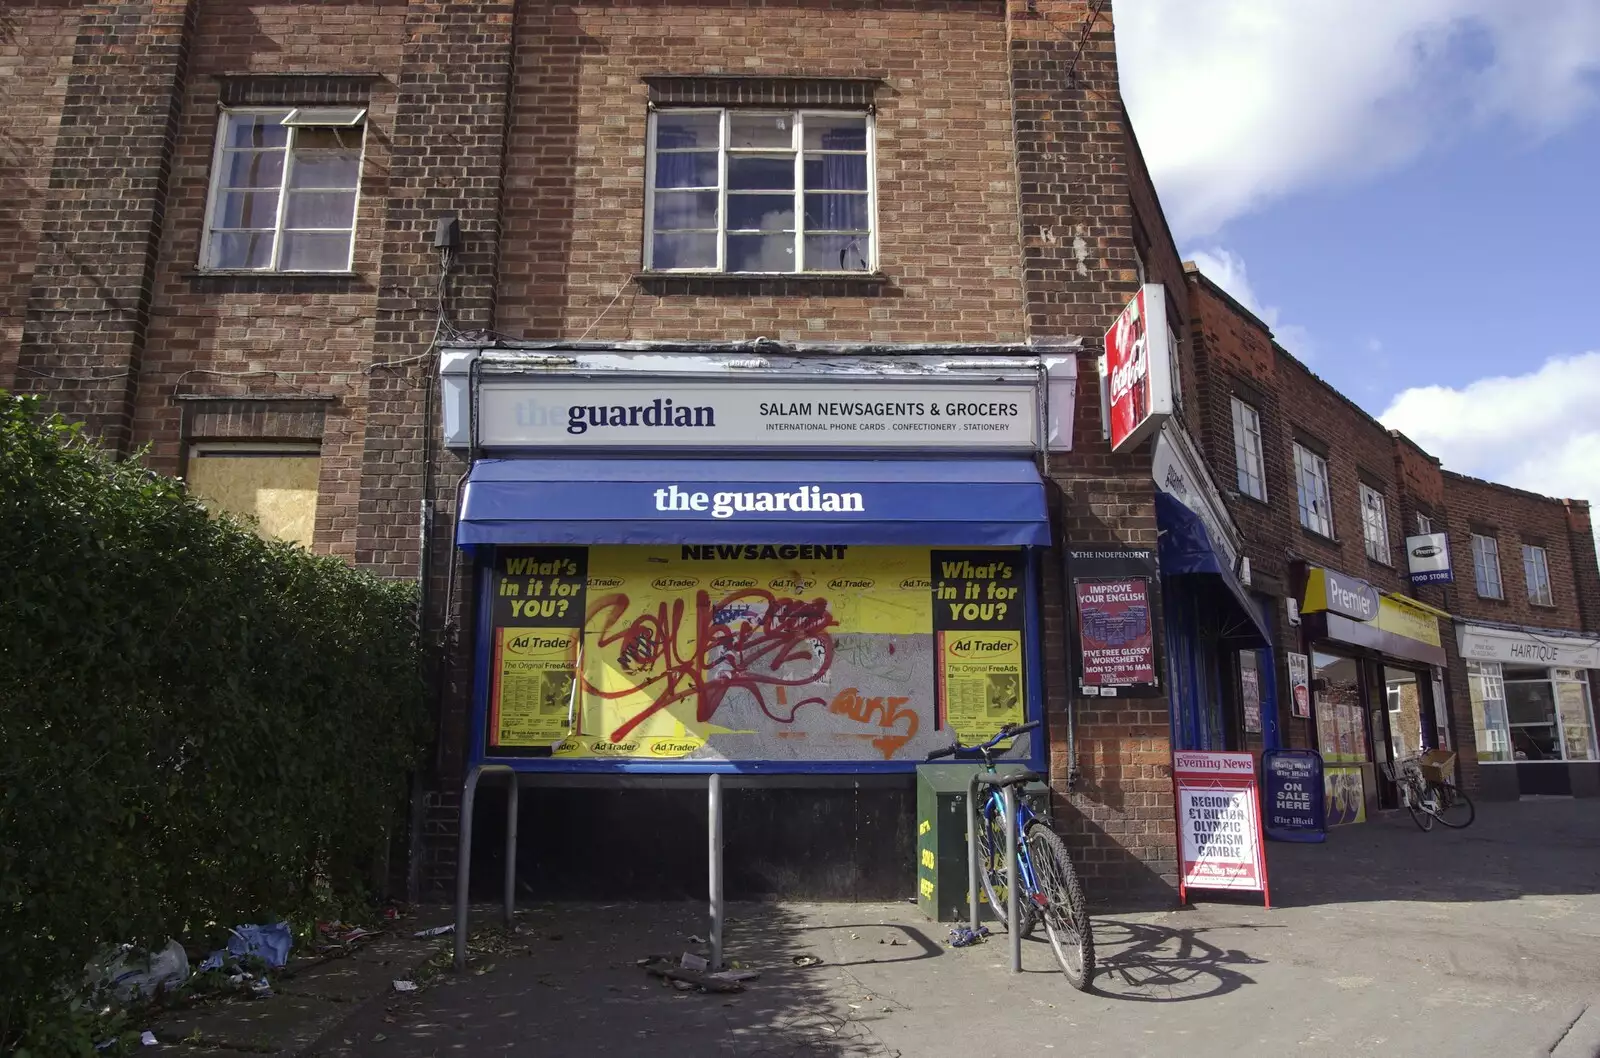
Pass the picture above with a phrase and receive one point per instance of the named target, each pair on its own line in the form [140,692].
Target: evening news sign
[867,414]
[1219,823]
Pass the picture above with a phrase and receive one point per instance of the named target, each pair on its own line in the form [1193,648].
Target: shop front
[803,574]
[1377,686]
[1532,710]
[1220,672]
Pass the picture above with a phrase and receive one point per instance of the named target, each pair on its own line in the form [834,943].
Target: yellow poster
[534,691]
[750,641]
[981,676]
[801,652]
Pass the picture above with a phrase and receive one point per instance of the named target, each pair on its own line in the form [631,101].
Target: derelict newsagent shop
[804,571]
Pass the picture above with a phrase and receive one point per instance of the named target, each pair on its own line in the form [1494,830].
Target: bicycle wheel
[1065,909]
[1455,807]
[1419,815]
[992,871]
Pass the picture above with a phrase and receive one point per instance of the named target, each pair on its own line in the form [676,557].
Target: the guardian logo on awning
[804,500]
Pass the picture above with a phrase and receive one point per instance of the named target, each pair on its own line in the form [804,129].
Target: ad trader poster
[753,652]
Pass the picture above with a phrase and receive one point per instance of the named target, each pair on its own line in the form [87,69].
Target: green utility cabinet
[942,834]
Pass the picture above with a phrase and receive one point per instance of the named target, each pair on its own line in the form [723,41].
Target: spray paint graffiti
[751,640]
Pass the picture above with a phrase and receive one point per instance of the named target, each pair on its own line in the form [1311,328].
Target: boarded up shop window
[272,485]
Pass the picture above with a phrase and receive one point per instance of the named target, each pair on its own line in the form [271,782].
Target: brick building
[1325,498]
[282,244]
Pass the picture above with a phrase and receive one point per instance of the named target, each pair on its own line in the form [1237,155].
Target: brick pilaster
[88,310]
[1078,269]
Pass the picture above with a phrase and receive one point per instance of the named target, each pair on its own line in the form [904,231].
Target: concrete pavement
[1384,940]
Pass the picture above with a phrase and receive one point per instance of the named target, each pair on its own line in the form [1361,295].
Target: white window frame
[1316,513]
[799,115]
[1250,466]
[293,119]
[1375,523]
[1536,575]
[1486,554]
[1488,679]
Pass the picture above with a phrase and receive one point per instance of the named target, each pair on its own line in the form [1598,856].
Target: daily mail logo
[806,499]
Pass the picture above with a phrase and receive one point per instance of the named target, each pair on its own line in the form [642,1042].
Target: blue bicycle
[1050,890]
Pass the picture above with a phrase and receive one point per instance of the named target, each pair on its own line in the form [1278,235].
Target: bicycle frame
[995,808]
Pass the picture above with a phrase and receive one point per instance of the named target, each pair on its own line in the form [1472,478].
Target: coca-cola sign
[1137,370]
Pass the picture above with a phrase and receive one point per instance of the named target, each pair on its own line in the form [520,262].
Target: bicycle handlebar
[1008,731]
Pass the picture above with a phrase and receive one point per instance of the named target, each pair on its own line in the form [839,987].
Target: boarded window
[273,486]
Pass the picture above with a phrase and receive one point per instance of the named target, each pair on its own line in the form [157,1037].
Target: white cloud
[1238,102]
[1227,269]
[1537,431]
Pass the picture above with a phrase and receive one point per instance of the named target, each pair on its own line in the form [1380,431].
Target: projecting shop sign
[1137,370]
[569,413]
[1428,559]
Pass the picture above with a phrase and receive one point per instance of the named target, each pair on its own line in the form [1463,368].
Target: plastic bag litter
[125,974]
[961,937]
[270,944]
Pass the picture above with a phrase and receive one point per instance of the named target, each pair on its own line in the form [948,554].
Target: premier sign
[1428,559]
[1136,372]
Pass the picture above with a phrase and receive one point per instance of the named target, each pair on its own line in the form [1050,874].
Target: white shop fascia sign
[629,401]
[1527,647]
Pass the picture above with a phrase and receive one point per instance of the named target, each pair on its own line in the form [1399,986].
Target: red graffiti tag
[750,640]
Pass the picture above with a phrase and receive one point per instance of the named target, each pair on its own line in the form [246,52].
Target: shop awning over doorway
[1186,550]
[938,503]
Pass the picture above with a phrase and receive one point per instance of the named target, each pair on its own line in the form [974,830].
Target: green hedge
[198,727]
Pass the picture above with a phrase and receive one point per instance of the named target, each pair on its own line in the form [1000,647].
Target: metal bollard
[1013,930]
[972,851]
[714,804]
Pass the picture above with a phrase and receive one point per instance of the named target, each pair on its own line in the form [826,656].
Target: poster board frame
[1233,773]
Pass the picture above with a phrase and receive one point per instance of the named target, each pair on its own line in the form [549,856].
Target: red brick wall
[36,46]
[1075,157]
[86,329]
[947,195]
[1514,518]
[218,336]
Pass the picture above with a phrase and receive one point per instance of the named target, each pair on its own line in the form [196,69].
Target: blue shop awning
[1186,550]
[939,503]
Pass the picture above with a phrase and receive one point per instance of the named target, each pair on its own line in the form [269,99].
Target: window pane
[241,249]
[761,212]
[836,172]
[676,131]
[694,169]
[325,169]
[836,212]
[304,252]
[1531,711]
[761,253]
[1573,701]
[257,130]
[1488,711]
[686,209]
[247,209]
[760,130]
[837,253]
[758,172]
[835,133]
[322,138]
[321,209]
[252,169]
[684,250]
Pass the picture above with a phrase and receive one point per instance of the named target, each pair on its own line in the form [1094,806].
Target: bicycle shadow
[1143,963]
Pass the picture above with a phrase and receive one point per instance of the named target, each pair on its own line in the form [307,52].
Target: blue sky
[1406,192]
